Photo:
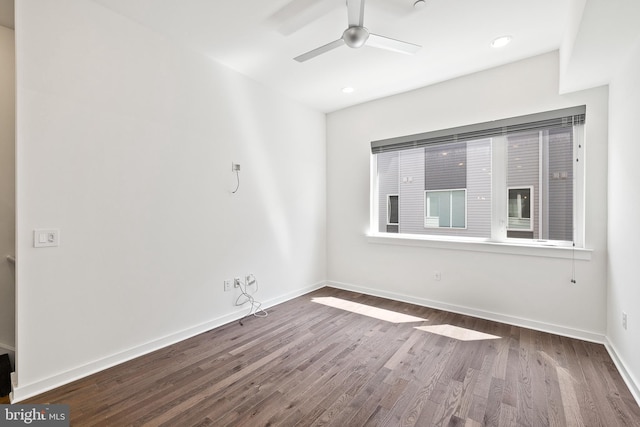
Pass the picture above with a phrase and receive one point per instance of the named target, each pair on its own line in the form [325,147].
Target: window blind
[566,117]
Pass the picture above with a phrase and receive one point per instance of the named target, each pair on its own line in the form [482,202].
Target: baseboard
[14,384]
[22,392]
[468,311]
[630,381]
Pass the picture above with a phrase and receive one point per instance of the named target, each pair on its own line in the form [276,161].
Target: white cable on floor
[255,309]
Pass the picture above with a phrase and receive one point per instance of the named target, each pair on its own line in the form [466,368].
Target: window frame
[576,116]
[450,191]
[532,199]
[389,196]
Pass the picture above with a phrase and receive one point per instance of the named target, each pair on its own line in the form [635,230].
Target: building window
[445,209]
[520,204]
[518,178]
[392,209]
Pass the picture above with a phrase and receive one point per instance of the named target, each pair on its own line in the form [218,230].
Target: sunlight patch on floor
[570,404]
[457,333]
[367,310]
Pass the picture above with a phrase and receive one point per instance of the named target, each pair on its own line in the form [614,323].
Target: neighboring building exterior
[446,189]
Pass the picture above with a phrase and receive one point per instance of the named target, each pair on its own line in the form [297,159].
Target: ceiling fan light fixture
[419,4]
[501,41]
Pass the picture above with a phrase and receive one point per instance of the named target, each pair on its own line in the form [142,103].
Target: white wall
[624,176]
[7,190]
[528,290]
[125,144]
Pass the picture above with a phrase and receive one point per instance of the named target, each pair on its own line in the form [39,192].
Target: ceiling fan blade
[394,45]
[355,11]
[319,51]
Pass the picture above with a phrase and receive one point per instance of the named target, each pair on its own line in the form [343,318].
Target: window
[392,209]
[520,203]
[518,178]
[445,209]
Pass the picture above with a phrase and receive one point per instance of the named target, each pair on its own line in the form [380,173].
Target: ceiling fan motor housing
[355,36]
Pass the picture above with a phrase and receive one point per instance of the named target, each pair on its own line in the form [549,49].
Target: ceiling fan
[357,36]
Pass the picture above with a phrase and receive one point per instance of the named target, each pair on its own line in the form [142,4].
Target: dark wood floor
[309,364]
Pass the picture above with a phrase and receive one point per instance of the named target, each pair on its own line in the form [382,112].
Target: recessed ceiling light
[419,4]
[501,41]
[347,89]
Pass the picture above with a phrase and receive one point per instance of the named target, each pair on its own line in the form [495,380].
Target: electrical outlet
[624,320]
[227,285]
[437,276]
[236,282]
[43,238]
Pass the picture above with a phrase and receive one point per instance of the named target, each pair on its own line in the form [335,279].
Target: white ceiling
[260,38]
[599,39]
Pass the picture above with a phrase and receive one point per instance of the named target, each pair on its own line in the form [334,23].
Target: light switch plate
[46,237]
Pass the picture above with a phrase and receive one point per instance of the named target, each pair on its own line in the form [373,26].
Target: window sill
[540,250]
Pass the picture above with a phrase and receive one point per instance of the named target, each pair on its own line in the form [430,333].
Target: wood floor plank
[478,409]
[510,394]
[508,416]
[483,384]
[404,400]
[466,401]
[444,411]
[401,353]
[524,392]
[502,356]
[494,402]
[586,404]
[363,402]
[538,385]
[437,377]
[311,364]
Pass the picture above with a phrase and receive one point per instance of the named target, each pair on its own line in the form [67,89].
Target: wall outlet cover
[46,237]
